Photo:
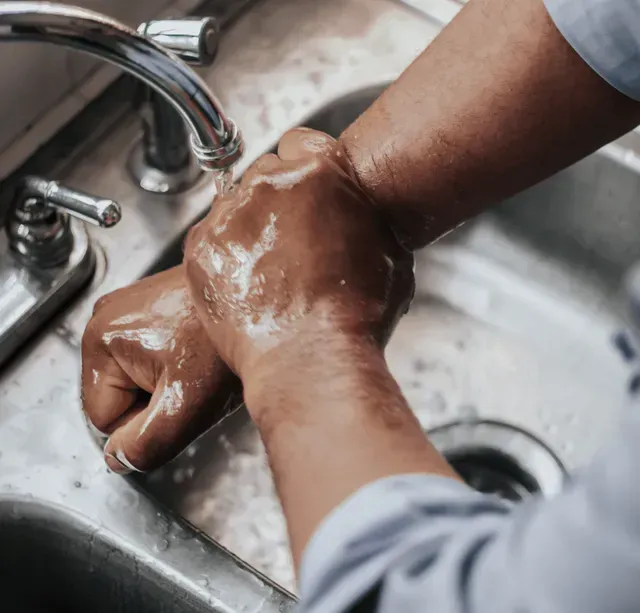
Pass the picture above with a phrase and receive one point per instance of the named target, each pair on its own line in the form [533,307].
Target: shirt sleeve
[417,543]
[606,34]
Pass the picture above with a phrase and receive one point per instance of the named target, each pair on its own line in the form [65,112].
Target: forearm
[496,103]
[332,425]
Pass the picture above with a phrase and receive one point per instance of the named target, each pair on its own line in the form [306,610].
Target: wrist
[298,370]
[389,186]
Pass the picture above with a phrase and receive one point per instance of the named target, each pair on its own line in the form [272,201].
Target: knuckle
[88,339]
[91,338]
[101,303]
[192,240]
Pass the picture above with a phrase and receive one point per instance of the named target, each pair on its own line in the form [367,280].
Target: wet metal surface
[277,64]
[511,321]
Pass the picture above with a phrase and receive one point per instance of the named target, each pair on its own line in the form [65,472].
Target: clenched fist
[151,378]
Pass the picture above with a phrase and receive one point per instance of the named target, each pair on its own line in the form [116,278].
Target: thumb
[166,426]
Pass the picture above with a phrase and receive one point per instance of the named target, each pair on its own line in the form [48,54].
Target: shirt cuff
[355,539]
[606,35]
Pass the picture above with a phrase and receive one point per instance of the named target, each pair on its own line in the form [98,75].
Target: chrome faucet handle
[38,226]
[92,209]
[194,40]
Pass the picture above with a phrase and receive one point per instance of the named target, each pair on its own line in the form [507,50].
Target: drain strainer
[498,458]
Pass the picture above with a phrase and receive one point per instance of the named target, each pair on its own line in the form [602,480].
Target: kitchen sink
[54,561]
[506,356]
[513,322]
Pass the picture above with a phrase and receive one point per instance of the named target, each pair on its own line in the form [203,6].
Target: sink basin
[54,561]
[513,321]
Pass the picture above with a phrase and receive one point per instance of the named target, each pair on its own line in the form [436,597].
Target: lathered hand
[151,378]
[295,254]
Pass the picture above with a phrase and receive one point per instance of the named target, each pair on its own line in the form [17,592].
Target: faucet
[45,252]
[215,140]
[161,161]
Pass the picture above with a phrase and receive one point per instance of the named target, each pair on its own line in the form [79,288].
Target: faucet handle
[38,227]
[92,209]
[194,40]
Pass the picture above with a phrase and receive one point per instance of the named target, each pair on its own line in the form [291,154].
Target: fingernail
[97,434]
[118,463]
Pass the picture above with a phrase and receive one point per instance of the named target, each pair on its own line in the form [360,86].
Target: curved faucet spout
[216,141]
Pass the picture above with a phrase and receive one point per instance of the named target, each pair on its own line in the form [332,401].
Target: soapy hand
[151,378]
[295,254]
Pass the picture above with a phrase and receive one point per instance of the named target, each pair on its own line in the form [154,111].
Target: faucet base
[157,181]
[32,295]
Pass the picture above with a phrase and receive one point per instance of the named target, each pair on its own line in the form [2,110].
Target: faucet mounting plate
[30,296]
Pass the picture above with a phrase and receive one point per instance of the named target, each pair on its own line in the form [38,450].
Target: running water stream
[224,181]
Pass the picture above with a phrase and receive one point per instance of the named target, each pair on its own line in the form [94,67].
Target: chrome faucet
[38,224]
[161,162]
[45,252]
[215,140]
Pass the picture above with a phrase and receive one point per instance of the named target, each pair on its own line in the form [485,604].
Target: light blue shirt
[606,34]
[426,544]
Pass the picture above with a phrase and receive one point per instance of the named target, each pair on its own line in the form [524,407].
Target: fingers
[302,142]
[107,390]
[265,164]
[296,144]
[151,436]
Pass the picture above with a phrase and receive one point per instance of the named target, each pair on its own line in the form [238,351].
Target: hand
[144,340]
[296,253]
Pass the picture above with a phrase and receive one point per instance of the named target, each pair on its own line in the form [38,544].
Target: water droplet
[204,582]
[551,429]
[163,545]
[77,484]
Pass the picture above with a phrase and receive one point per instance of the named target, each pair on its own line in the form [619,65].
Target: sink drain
[498,458]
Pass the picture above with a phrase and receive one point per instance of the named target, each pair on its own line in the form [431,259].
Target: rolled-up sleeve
[420,543]
[606,34]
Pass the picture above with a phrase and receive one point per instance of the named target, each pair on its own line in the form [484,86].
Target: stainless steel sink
[55,561]
[278,63]
[513,321]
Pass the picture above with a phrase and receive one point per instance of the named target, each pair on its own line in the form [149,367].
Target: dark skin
[496,103]
[151,378]
[307,238]
[299,285]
